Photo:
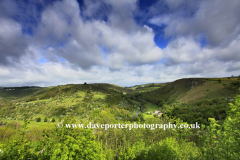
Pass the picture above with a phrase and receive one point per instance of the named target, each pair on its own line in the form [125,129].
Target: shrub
[169,148]
[6,132]
[45,119]
[53,120]
[140,116]
[61,110]
[16,124]
[69,144]
[39,119]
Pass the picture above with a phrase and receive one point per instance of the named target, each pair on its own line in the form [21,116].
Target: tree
[70,143]
[39,119]
[222,142]
[88,95]
[140,117]
[143,105]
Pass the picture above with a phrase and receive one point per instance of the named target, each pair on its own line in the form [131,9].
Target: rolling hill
[192,90]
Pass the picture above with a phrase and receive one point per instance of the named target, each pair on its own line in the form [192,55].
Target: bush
[53,120]
[39,119]
[140,116]
[6,132]
[45,119]
[69,144]
[60,111]
[169,148]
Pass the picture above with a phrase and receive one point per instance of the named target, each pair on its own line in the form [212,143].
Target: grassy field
[195,89]
[149,108]
[32,124]
[147,87]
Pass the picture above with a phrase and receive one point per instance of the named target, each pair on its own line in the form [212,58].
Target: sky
[122,42]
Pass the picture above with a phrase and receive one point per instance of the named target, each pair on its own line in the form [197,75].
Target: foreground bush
[169,148]
[223,142]
[58,143]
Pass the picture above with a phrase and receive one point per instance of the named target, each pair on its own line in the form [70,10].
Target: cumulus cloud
[12,43]
[187,50]
[112,41]
[80,42]
[7,8]
[160,20]
[183,50]
[234,67]
[217,20]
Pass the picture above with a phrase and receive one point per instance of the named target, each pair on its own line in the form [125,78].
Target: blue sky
[127,42]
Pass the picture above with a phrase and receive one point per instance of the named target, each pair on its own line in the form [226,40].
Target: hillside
[191,90]
[184,101]
[188,90]
[34,93]
[14,93]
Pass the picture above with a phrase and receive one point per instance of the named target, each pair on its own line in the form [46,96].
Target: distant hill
[192,90]
[33,93]
[184,90]
[13,93]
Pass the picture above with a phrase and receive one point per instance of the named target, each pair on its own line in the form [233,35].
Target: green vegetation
[200,111]
[39,119]
[146,87]
[29,123]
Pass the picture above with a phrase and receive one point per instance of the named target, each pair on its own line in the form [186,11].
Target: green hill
[191,90]
[187,100]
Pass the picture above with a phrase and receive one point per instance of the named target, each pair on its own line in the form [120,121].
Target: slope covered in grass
[191,90]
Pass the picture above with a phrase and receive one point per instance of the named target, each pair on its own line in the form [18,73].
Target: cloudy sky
[123,42]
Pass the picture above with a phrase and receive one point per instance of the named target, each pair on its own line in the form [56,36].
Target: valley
[188,100]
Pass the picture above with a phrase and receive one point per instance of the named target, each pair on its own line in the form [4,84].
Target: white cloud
[161,20]
[187,50]
[12,42]
[183,50]
[124,47]
[174,4]
[118,50]
[218,20]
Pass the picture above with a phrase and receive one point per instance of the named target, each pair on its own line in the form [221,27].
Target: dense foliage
[200,111]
